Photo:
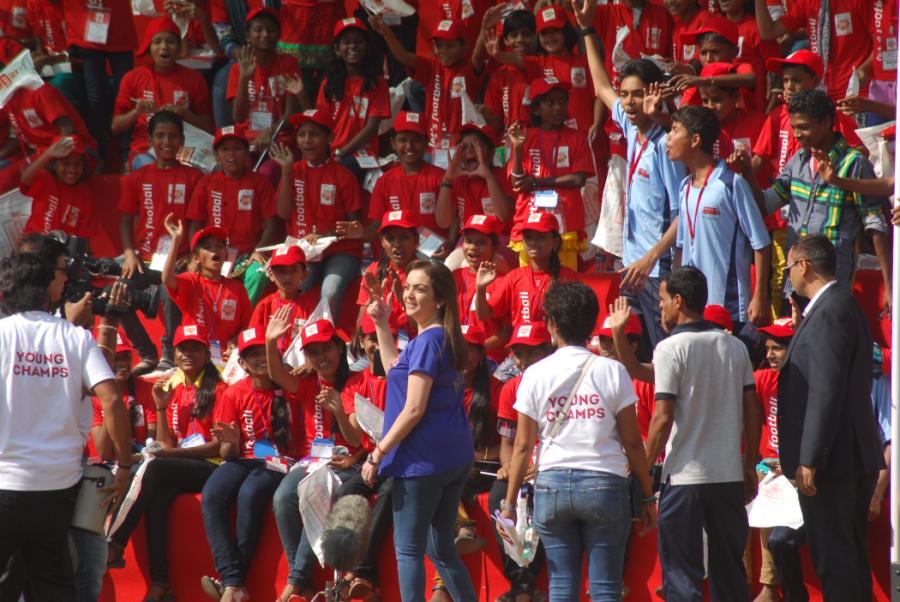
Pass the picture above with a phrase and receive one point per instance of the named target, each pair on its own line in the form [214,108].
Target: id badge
[442,158]
[402,339]
[194,440]
[322,448]
[264,448]
[215,353]
[466,9]
[96,30]
[390,19]
[19,17]
[889,54]
[228,264]
[365,160]
[260,120]
[163,246]
[546,199]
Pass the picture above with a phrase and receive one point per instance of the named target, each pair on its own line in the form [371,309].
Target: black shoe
[145,366]
[165,364]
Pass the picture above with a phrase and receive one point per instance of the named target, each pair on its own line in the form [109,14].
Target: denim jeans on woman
[425,522]
[578,511]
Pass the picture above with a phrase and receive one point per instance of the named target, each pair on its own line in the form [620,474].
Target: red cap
[262,10]
[397,219]
[191,332]
[550,17]
[157,25]
[348,23]
[541,222]
[532,334]
[474,334]
[122,344]
[447,30]
[209,231]
[486,224]
[804,58]
[251,338]
[320,331]
[228,132]
[316,116]
[719,316]
[713,69]
[715,24]
[406,121]
[545,85]
[287,255]
[485,130]
[632,326]
[782,328]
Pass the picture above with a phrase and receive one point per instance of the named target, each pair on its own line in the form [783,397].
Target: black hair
[535,114]
[335,71]
[804,68]
[24,282]
[384,262]
[48,248]
[715,38]
[815,104]
[644,69]
[690,283]
[495,239]
[572,306]
[281,421]
[206,392]
[700,121]
[481,136]
[819,252]
[519,19]
[783,341]
[161,117]
[481,421]
[555,263]
[570,37]
[267,16]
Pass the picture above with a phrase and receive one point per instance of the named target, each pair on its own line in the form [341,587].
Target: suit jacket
[825,415]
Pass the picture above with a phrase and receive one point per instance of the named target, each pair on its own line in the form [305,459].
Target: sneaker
[165,364]
[145,366]
[212,587]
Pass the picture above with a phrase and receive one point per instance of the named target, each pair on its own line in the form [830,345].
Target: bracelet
[106,348]
[504,506]
[446,184]
[650,499]
[107,326]
[124,466]
[586,31]
[371,461]
[161,409]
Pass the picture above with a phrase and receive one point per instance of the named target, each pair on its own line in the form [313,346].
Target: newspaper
[314,252]
[369,417]
[520,540]
[879,153]
[608,236]
[775,505]
[315,495]
[15,209]
[232,372]
[134,490]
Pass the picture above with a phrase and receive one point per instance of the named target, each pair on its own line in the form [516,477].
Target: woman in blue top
[427,446]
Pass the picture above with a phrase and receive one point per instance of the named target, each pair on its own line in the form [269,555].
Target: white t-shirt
[588,439]
[46,363]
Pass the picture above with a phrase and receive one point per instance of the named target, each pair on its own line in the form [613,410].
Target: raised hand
[824,166]
[246,62]
[144,106]
[492,16]
[740,162]
[293,85]
[619,312]
[282,155]
[280,323]
[516,135]
[175,228]
[483,170]
[330,399]
[372,286]
[492,45]
[379,26]
[61,147]
[654,94]
[161,393]
[487,273]
[584,11]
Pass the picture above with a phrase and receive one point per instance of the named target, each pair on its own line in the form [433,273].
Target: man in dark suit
[828,437]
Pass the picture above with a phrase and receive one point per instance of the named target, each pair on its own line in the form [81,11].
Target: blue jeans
[425,511]
[578,511]
[221,106]
[251,485]
[100,97]
[645,302]
[89,562]
[299,553]
[335,273]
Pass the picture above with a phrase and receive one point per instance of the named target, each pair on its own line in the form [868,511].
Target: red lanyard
[262,412]
[549,167]
[210,322]
[319,413]
[176,409]
[636,160]
[687,193]
[538,294]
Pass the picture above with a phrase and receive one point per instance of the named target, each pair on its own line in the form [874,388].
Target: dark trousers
[250,485]
[784,545]
[521,579]
[405,32]
[100,97]
[645,302]
[163,481]
[685,511]
[35,525]
[836,521]
[382,520]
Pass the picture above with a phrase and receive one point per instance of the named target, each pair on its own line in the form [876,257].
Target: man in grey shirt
[705,406]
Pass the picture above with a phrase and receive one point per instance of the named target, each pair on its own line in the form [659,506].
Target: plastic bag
[315,495]
[612,209]
[776,504]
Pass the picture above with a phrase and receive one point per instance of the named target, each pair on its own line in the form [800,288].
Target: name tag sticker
[546,199]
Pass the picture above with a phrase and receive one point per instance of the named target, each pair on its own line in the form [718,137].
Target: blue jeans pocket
[545,510]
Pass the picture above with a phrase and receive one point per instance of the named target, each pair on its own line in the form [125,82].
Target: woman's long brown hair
[445,293]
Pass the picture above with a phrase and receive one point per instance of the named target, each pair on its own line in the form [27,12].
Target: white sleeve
[525,395]
[624,394]
[94,367]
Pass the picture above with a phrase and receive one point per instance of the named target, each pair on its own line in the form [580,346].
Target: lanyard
[262,412]
[176,409]
[466,302]
[538,294]
[318,413]
[213,316]
[692,225]
[636,160]
[550,167]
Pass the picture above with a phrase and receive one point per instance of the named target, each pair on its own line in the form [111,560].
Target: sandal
[363,589]
[212,587]
[115,556]
[440,593]
[164,593]
[467,540]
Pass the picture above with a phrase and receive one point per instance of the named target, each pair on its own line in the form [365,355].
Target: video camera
[83,269]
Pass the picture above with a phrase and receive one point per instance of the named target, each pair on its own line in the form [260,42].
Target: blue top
[881,403]
[441,441]
[651,196]
[727,228]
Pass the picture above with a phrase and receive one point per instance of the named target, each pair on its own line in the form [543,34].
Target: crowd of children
[718,132]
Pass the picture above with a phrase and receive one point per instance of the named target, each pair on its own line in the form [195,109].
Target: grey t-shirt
[705,371]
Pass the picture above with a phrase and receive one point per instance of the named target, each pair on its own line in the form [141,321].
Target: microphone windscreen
[347,532]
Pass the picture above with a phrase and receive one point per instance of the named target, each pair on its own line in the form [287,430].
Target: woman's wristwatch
[648,500]
[506,506]
[371,460]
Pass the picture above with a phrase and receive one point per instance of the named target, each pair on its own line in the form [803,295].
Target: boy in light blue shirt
[720,230]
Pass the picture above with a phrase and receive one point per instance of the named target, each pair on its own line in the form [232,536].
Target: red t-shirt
[444,89]
[251,409]
[372,388]
[265,90]
[100,25]
[240,205]
[149,194]
[416,192]
[752,98]
[32,113]
[318,422]
[354,109]
[573,70]
[47,23]
[468,13]
[56,206]
[686,53]
[506,88]
[14,15]
[767,391]
[178,413]
[141,411]
[323,195]
[851,36]
[494,404]
[301,307]
[751,46]
[884,31]
[398,312]
[653,36]
[518,297]
[645,405]
[181,86]
[473,197]
[507,399]
[465,298]
[552,154]
[221,307]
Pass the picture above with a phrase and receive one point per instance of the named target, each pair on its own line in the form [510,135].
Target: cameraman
[49,364]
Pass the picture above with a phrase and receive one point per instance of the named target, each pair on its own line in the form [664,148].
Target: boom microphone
[347,532]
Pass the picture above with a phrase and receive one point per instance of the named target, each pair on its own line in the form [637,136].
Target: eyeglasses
[788,267]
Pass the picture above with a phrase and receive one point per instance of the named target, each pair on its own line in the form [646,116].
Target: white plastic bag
[294,356]
[775,505]
[612,209]
[315,495]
